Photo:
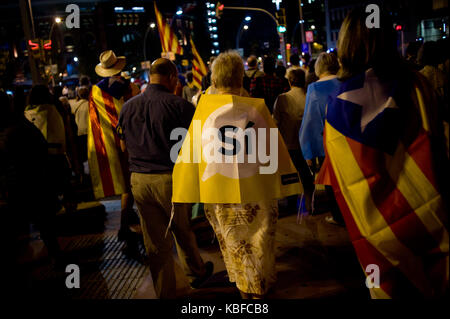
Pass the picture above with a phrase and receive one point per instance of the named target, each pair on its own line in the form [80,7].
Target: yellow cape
[254,163]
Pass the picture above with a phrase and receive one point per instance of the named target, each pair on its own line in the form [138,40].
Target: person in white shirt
[288,115]
[189,90]
[81,111]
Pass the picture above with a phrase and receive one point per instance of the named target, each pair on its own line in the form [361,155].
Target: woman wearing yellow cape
[240,196]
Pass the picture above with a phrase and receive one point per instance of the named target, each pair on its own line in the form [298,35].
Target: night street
[225,158]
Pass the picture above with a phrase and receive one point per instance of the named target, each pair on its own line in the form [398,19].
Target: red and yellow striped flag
[379,161]
[106,162]
[169,41]
[199,69]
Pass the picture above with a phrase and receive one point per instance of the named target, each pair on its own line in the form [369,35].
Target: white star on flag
[374,98]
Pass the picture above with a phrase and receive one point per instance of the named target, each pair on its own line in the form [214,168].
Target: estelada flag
[199,69]
[233,153]
[106,162]
[169,40]
[379,161]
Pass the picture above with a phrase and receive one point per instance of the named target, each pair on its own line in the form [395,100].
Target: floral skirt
[246,235]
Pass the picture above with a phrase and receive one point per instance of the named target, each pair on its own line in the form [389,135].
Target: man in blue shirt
[146,122]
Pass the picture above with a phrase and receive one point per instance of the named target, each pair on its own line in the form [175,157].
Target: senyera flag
[379,162]
[199,69]
[233,153]
[169,41]
[106,162]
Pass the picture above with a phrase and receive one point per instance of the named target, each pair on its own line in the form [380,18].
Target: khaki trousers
[153,195]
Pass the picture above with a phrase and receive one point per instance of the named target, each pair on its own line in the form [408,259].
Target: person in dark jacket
[268,86]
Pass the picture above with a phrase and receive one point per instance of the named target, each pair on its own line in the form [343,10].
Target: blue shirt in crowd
[311,130]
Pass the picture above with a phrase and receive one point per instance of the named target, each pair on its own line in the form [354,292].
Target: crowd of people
[44,145]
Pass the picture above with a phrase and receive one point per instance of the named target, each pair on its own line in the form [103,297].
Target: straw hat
[109,64]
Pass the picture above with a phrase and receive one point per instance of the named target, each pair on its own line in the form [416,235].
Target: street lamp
[280,35]
[300,23]
[150,26]
[243,26]
[57,20]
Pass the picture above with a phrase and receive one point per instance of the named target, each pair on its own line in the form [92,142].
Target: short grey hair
[228,70]
[326,63]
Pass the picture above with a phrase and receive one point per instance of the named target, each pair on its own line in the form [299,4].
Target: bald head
[252,62]
[163,67]
[164,72]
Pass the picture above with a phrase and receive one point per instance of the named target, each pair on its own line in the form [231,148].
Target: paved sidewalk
[314,260]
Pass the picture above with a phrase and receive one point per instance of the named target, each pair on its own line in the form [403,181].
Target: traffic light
[398,27]
[281,17]
[34,48]
[219,10]
[281,29]
[47,46]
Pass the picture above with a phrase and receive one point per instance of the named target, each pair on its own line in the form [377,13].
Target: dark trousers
[82,148]
[305,176]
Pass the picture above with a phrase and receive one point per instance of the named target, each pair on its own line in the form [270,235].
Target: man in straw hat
[108,164]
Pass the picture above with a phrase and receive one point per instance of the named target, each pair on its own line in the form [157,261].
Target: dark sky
[261,29]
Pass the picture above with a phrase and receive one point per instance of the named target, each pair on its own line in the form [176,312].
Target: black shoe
[133,217]
[196,283]
[124,234]
[131,250]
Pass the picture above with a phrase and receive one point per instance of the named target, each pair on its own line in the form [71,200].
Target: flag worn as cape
[199,69]
[106,162]
[386,185]
[169,41]
[229,180]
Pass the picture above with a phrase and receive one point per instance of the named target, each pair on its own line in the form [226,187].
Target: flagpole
[145,40]
[29,32]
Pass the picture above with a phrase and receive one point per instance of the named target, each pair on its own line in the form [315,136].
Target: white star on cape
[373,97]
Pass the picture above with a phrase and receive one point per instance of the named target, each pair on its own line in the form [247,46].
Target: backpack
[248,80]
